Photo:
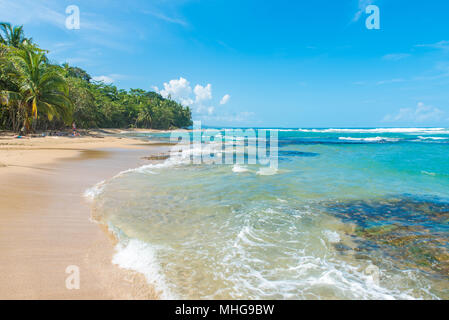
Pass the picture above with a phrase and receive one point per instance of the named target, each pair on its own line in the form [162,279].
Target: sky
[261,63]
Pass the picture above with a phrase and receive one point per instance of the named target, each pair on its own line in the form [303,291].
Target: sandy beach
[45,220]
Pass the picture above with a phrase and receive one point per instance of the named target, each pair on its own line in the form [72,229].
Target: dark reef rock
[411,232]
[158,157]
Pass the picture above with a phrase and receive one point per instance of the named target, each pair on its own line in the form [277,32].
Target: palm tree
[12,36]
[9,89]
[145,117]
[41,88]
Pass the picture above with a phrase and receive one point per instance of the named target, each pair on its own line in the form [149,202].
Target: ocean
[346,214]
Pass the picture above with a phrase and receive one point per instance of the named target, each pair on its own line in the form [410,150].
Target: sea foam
[371,139]
[380,130]
[141,257]
[239,169]
[267,171]
[91,193]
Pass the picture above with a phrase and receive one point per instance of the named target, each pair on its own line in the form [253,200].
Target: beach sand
[45,220]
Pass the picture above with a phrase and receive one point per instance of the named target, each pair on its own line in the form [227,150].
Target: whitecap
[371,139]
[239,169]
[380,130]
[267,171]
[432,138]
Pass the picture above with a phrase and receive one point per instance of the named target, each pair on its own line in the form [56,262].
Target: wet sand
[45,220]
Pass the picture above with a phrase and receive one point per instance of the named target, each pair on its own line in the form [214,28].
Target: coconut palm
[32,90]
[12,36]
[145,117]
[42,90]
[10,98]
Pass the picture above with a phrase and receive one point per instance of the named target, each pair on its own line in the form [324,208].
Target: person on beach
[75,133]
[21,134]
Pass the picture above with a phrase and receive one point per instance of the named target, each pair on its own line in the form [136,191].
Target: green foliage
[12,36]
[39,95]
[33,89]
[75,72]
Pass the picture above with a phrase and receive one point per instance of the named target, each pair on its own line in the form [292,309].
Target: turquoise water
[348,214]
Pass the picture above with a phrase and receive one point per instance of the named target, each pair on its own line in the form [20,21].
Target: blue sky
[261,63]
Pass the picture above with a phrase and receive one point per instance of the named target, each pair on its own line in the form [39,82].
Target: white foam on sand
[183,157]
[133,254]
[93,192]
[141,257]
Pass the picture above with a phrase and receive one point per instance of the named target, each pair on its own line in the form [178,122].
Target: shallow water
[349,214]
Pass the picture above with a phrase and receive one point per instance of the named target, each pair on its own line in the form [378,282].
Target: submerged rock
[158,157]
[413,233]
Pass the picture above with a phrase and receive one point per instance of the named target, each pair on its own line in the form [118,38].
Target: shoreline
[45,222]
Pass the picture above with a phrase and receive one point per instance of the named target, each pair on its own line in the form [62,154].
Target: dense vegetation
[36,94]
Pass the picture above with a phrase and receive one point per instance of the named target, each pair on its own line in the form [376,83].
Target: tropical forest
[37,94]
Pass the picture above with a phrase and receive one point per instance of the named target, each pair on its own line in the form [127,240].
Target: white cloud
[362,6]
[203,93]
[210,110]
[105,79]
[396,80]
[203,109]
[225,99]
[202,97]
[179,90]
[51,12]
[421,113]
[443,45]
[110,78]
[199,99]
[442,71]
[230,118]
[395,56]
[166,18]
[27,11]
